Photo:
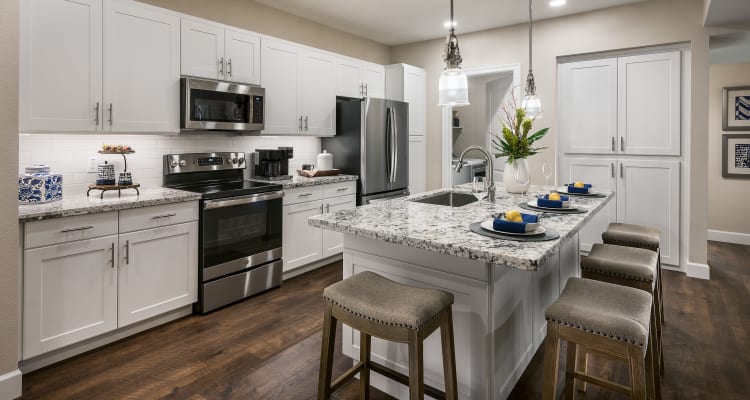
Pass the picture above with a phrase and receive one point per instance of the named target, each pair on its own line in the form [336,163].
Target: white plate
[564,190]
[532,203]
[487,225]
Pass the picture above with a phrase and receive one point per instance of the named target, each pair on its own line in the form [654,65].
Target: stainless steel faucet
[489,171]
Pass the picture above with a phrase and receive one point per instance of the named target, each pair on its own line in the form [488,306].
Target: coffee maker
[273,164]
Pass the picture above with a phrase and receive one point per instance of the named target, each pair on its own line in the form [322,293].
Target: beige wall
[9,269]
[650,23]
[727,198]
[260,18]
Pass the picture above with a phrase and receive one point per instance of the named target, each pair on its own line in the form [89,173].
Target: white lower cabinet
[333,242]
[417,164]
[158,271]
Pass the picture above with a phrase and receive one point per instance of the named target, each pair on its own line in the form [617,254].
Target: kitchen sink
[450,199]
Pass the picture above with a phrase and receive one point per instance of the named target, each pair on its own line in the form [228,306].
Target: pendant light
[453,87]
[531,102]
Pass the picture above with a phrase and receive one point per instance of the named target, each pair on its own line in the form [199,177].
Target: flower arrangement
[515,142]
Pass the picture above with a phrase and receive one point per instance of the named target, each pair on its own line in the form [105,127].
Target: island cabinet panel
[546,289]
[333,242]
[301,242]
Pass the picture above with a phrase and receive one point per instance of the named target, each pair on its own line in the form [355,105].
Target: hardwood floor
[268,347]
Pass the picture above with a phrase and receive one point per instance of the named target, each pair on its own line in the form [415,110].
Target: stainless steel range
[240,226]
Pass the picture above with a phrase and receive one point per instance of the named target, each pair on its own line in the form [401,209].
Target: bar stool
[609,319]
[376,306]
[631,267]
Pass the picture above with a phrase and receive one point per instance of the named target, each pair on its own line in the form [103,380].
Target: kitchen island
[501,287]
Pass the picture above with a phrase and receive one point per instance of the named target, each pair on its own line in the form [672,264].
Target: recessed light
[447,24]
[557,3]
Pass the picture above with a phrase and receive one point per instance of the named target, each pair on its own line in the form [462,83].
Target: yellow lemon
[578,184]
[517,218]
[554,196]
[512,214]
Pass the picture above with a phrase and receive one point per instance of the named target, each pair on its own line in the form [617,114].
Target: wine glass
[522,176]
[547,172]
[479,188]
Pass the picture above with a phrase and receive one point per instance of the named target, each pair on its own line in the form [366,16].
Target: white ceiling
[395,22]
[728,13]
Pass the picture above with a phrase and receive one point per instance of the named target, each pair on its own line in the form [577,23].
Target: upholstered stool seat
[605,318]
[376,306]
[632,235]
[621,262]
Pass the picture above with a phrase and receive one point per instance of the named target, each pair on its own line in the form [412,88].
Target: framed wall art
[735,156]
[736,107]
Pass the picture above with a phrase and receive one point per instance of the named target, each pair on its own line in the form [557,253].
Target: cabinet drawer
[339,189]
[69,229]
[302,194]
[153,217]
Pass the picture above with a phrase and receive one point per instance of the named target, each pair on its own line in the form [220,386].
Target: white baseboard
[10,385]
[729,237]
[697,270]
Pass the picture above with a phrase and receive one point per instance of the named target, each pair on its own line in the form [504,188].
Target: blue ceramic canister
[39,185]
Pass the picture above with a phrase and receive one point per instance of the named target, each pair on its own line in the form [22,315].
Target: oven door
[239,233]
[217,105]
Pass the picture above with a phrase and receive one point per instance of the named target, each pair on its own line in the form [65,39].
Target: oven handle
[211,204]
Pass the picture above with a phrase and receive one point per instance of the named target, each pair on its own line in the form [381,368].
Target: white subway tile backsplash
[68,154]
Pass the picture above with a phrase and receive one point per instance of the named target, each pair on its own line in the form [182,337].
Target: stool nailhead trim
[377,320]
[600,333]
[610,273]
[639,244]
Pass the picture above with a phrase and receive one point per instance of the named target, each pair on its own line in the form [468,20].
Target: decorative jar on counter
[39,185]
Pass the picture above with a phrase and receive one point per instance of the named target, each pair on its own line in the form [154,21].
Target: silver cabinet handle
[80,228]
[127,252]
[110,113]
[112,249]
[164,216]
[361,89]
[229,68]
[612,169]
[300,122]
[321,209]
[305,194]
[621,171]
[365,90]
[328,208]
[622,143]
[306,117]
[342,189]
[221,66]
[614,148]
[96,113]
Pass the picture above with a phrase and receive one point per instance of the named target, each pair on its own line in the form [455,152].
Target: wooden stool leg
[449,355]
[364,356]
[326,354]
[582,361]
[416,367]
[551,352]
[652,369]
[570,368]
[636,362]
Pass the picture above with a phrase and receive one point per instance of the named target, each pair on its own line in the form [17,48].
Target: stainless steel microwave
[208,104]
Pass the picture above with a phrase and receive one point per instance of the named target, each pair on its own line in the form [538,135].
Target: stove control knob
[241,161]
[235,161]
[173,164]
[229,160]
[183,163]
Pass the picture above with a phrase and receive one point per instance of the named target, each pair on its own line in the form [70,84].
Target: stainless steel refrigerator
[372,141]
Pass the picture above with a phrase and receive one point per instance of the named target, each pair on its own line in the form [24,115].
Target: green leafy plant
[515,141]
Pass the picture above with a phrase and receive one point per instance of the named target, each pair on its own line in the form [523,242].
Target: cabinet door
[202,47]
[348,82]
[280,76]
[242,57]
[301,242]
[373,77]
[417,164]
[601,173]
[60,83]
[588,106]
[319,94]
[333,242]
[414,94]
[158,271]
[649,194]
[69,293]
[141,68]
[649,104]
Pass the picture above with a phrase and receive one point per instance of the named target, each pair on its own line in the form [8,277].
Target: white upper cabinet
[588,106]
[355,78]
[60,85]
[373,78]
[202,52]
[300,89]
[649,104]
[407,83]
[242,55]
[141,68]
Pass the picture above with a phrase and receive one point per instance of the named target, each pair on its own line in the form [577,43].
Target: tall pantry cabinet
[620,129]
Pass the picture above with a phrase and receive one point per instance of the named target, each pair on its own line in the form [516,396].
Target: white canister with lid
[325,161]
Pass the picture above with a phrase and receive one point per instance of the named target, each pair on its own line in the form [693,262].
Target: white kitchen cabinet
[242,56]
[649,104]
[202,49]
[588,106]
[349,81]
[373,79]
[60,82]
[300,89]
[69,293]
[158,271]
[141,68]
[333,242]
[407,83]
[301,242]
[417,164]
[649,194]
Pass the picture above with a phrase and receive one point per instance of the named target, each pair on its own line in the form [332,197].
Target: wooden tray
[317,172]
[119,188]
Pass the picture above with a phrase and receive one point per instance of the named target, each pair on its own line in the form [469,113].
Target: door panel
[281,78]
[319,94]
[417,164]
[243,57]
[202,49]
[414,94]
[374,154]
[301,242]
[374,80]
[333,242]
[348,82]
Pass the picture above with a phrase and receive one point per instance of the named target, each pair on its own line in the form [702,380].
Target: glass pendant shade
[453,88]
[533,106]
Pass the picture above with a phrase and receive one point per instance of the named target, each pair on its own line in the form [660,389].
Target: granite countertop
[81,204]
[443,229]
[300,181]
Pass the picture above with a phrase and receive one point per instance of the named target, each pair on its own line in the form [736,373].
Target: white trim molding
[10,385]
[698,270]
[729,237]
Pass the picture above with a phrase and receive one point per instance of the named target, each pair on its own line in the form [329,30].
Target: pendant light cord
[530,24]
[530,84]
[453,24]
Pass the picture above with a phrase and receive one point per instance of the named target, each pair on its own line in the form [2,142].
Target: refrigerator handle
[388,144]
[394,143]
